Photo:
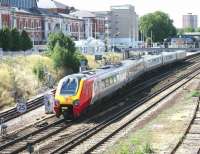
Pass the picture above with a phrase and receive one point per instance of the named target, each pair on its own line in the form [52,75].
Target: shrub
[6,39]
[26,42]
[63,53]
[64,41]
[38,70]
[15,41]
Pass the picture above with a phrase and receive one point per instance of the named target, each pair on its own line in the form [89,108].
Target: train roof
[116,67]
[109,68]
[169,53]
[151,56]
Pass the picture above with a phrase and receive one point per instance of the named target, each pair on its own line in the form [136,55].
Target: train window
[114,79]
[108,82]
[111,80]
[104,83]
[69,87]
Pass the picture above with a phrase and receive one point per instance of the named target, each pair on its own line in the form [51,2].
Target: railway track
[91,140]
[190,142]
[32,104]
[39,135]
[38,102]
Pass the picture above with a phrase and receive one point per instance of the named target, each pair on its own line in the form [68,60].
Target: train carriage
[76,92]
[181,54]
[152,61]
[169,57]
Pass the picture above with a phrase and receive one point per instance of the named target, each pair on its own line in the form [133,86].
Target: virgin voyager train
[76,92]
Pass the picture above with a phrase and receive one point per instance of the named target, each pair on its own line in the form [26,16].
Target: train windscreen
[69,87]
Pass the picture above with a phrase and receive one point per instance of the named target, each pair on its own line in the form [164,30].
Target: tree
[189,29]
[198,29]
[1,37]
[77,58]
[158,24]
[64,53]
[58,56]
[180,31]
[26,42]
[6,39]
[64,41]
[15,41]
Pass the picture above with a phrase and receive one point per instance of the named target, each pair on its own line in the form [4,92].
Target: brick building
[94,25]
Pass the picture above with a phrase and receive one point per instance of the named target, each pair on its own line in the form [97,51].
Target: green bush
[78,57]
[15,40]
[26,42]
[63,52]
[5,39]
[64,41]
[38,70]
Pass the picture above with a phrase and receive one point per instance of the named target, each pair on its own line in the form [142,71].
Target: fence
[18,53]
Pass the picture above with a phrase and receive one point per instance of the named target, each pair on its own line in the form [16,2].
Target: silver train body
[111,78]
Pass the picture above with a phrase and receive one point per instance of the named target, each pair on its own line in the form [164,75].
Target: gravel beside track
[190,142]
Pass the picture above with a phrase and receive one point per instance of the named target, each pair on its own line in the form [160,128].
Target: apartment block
[124,26]
[190,20]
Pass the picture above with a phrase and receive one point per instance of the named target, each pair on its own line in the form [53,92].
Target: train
[77,92]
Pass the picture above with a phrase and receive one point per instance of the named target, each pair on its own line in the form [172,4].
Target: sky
[175,8]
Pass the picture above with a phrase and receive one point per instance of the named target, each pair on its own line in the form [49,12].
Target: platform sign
[48,103]
[21,107]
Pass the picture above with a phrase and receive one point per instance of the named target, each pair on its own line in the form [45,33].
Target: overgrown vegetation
[17,77]
[63,52]
[38,70]
[195,93]
[132,147]
[13,40]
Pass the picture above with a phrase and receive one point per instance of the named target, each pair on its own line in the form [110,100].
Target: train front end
[67,96]
[73,96]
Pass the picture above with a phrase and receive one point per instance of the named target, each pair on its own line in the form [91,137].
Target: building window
[26,24]
[32,24]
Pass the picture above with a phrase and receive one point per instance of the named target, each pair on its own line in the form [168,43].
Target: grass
[195,93]
[138,143]
[18,80]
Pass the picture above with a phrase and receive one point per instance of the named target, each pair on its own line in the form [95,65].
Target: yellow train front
[73,96]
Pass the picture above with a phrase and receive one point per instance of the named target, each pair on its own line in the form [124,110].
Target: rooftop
[50,4]
[83,14]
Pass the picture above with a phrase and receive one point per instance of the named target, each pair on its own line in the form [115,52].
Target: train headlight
[76,103]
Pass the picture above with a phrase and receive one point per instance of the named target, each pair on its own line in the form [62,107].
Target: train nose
[69,101]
